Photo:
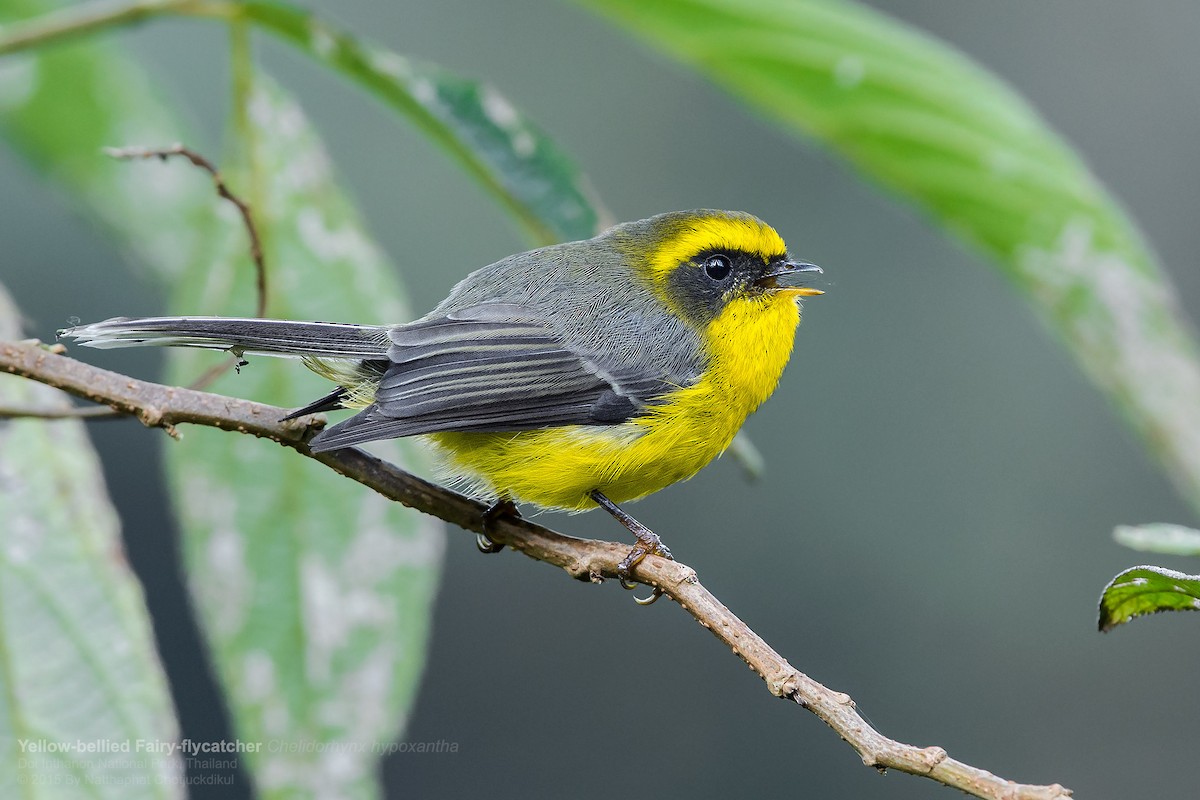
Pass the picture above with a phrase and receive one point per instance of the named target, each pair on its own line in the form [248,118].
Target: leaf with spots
[78,664]
[315,596]
[315,593]
[942,132]
[1147,590]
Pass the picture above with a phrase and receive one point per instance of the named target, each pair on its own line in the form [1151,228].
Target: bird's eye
[718,267]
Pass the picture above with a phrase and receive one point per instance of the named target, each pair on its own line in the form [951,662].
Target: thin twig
[76,412]
[210,375]
[84,412]
[256,254]
[165,406]
[256,248]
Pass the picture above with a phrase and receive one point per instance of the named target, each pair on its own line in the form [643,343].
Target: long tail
[271,337]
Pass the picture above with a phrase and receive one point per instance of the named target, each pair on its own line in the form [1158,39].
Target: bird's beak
[782,269]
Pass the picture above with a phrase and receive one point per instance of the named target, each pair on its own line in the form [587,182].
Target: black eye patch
[700,287]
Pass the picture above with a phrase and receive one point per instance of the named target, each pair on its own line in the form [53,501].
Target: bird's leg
[647,543]
[504,507]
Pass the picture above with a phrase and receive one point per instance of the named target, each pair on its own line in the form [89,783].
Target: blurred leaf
[927,122]
[477,125]
[318,607]
[1160,537]
[748,456]
[77,658]
[905,108]
[316,593]
[60,105]
[1147,590]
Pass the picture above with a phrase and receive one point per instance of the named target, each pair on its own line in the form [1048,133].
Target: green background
[933,529]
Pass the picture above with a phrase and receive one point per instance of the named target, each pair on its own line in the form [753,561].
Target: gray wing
[491,367]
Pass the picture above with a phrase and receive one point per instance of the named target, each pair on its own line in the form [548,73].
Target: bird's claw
[629,585]
[501,508]
[630,562]
[651,600]
[485,544]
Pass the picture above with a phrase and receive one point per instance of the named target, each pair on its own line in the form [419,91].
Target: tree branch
[165,406]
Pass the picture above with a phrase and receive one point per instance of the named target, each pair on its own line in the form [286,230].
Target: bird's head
[698,262]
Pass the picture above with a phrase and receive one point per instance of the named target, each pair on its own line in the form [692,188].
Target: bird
[582,374]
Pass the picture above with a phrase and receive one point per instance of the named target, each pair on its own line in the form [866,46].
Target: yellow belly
[748,347]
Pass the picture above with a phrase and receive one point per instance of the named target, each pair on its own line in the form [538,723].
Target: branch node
[790,690]
[685,575]
[307,426]
[584,568]
[783,684]
[933,756]
[150,416]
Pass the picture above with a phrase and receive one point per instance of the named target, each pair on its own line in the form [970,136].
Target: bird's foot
[504,507]
[648,543]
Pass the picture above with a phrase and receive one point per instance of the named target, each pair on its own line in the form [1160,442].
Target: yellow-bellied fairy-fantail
[582,374]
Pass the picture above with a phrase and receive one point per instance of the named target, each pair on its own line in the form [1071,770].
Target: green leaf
[508,155]
[315,592]
[925,121]
[1160,537]
[83,693]
[473,122]
[59,106]
[299,665]
[1147,590]
[905,108]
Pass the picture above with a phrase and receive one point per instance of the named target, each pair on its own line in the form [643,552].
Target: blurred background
[933,529]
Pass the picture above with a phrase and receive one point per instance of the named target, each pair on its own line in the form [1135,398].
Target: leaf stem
[90,18]
[241,63]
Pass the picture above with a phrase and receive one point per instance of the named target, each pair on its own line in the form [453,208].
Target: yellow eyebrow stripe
[744,234]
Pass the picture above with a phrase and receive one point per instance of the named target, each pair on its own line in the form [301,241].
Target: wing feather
[491,367]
